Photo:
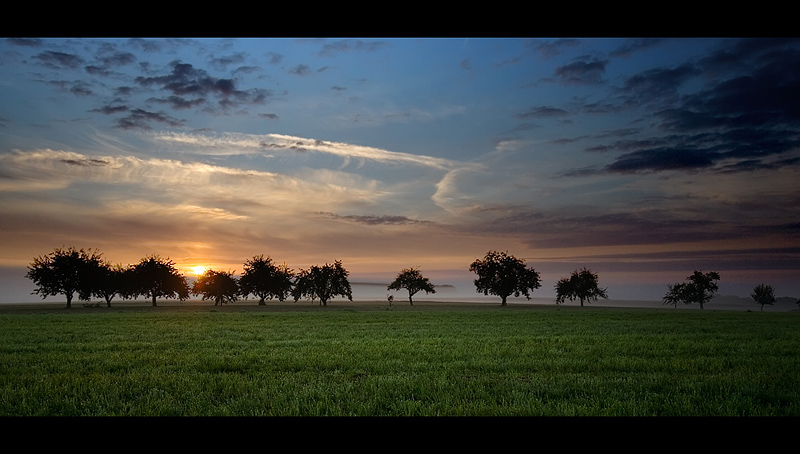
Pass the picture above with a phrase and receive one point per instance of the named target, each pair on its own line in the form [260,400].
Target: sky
[643,159]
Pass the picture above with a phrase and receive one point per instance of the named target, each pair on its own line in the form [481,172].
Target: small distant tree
[582,284]
[699,288]
[265,279]
[412,280]
[502,274]
[219,286]
[675,294]
[323,282]
[763,294]
[64,271]
[155,277]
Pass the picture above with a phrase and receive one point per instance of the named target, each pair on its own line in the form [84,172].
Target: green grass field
[373,360]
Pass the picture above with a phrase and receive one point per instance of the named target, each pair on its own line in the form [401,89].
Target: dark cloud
[350,45]
[178,102]
[86,162]
[301,70]
[542,112]
[110,110]
[186,80]
[59,60]
[582,72]
[223,62]
[29,42]
[140,119]
[548,49]
[374,220]
[751,117]
[658,84]
[77,88]
[268,116]
[633,45]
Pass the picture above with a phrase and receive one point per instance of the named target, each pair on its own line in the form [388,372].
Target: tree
[763,294]
[582,285]
[502,274]
[64,271]
[109,281]
[155,277]
[699,288]
[323,282]
[411,279]
[261,277]
[220,286]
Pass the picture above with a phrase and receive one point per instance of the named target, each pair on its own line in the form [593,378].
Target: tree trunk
[69,300]
[581,302]
[410,301]
[261,302]
[504,300]
[154,300]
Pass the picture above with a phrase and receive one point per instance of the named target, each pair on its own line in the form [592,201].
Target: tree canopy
[581,284]
[503,275]
[323,282]
[266,280]
[412,280]
[155,277]
[699,288]
[64,271]
[763,294]
[219,286]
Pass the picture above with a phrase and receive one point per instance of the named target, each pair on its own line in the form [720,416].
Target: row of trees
[86,274]
[502,275]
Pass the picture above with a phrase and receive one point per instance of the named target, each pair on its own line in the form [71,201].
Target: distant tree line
[85,274]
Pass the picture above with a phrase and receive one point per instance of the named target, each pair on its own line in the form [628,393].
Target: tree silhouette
[502,274]
[220,286]
[155,277]
[699,288]
[411,279]
[323,282]
[64,271]
[109,281]
[763,294]
[582,284]
[261,277]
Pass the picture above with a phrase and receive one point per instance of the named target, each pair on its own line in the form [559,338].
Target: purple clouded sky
[642,159]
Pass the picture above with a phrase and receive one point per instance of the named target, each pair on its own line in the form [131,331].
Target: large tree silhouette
[155,277]
[581,284]
[109,281]
[219,286]
[64,271]
[699,288]
[502,274]
[412,280]
[323,282]
[265,279]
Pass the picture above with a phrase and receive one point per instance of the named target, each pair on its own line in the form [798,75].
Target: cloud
[231,144]
[186,80]
[633,45]
[139,119]
[374,220]
[59,60]
[582,72]
[543,112]
[349,45]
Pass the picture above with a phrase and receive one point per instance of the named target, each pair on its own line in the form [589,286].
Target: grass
[370,360]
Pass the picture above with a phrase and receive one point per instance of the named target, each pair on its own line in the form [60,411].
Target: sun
[199,270]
